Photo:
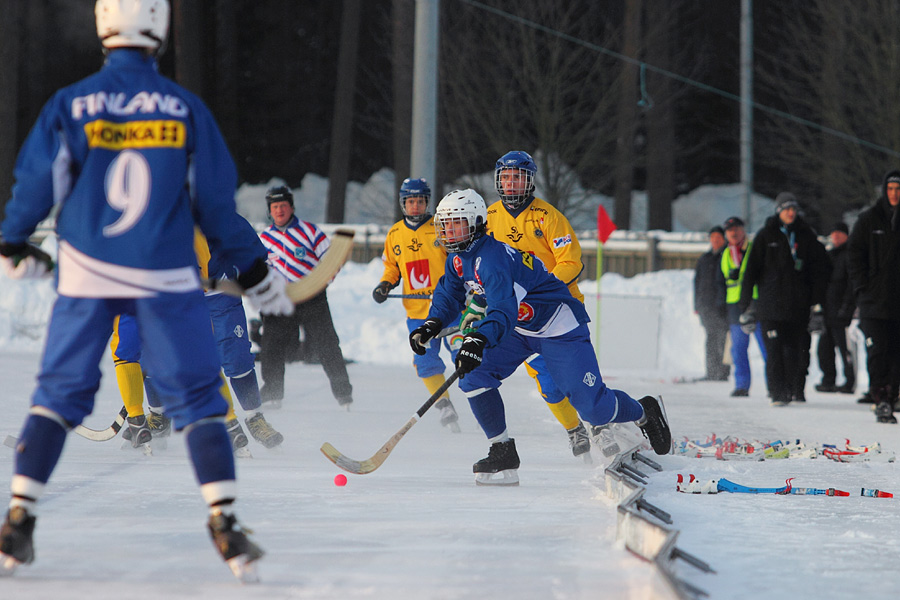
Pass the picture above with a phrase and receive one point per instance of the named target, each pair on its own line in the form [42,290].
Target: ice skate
[500,467]
[138,433]
[160,425]
[16,541]
[579,440]
[239,553]
[345,401]
[603,438]
[262,432]
[238,439]
[449,418]
[655,426]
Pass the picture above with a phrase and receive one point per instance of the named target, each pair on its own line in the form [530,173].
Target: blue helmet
[414,188]
[521,163]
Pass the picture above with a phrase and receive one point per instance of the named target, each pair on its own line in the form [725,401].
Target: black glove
[24,261]
[379,294]
[422,334]
[469,356]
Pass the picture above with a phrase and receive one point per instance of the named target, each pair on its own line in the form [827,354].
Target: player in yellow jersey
[411,254]
[527,223]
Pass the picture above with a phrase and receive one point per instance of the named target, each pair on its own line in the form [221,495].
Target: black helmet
[279,193]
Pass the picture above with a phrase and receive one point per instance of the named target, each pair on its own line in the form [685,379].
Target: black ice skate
[655,426]
[449,418]
[579,441]
[16,543]
[235,547]
[262,432]
[502,460]
[238,439]
[137,432]
[884,413]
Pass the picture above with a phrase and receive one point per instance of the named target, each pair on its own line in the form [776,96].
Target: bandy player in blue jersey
[528,311]
[134,161]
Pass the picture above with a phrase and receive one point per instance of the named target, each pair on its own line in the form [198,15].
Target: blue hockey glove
[422,335]
[469,356]
[24,261]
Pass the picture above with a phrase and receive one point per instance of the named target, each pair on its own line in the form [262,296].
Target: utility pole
[425,68]
[747,107]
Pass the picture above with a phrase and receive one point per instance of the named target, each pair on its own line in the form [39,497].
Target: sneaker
[654,425]
[16,540]
[826,387]
[866,399]
[262,432]
[884,413]
[579,440]
[235,547]
[781,401]
[605,439]
[847,388]
[160,425]
[502,460]
[740,392]
[236,433]
[449,418]
[801,397]
[138,433]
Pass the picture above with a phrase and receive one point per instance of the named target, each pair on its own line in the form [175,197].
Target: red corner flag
[605,226]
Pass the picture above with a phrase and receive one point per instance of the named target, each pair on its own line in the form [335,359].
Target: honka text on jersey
[122,105]
[135,134]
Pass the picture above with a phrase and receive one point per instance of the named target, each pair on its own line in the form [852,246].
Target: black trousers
[716,333]
[835,336]
[280,335]
[882,356]
[787,357]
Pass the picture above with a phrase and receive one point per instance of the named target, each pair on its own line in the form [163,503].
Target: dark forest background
[546,77]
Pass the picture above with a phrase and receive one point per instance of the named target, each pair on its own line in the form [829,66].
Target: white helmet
[132,23]
[460,219]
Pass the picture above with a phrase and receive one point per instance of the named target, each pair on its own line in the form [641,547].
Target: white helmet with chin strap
[133,23]
[460,219]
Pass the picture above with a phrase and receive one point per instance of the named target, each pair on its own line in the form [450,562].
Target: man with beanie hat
[837,312]
[709,304]
[790,267]
[874,264]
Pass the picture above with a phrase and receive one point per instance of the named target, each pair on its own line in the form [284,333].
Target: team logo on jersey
[478,266]
[589,379]
[418,274]
[238,331]
[396,249]
[415,245]
[526,312]
[457,266]
[562,241]
[514,234]
[538,233]
[456,341]
[299,252]
[135,134]
[527,259]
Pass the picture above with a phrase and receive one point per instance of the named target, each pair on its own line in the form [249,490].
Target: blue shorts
[126,345]
[178,351]
[229,324]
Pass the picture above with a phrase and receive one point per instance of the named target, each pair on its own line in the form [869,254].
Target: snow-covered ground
[115,523]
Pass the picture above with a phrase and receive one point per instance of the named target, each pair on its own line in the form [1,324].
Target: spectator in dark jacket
[790,267]
[838,312]
[709,304]
[873,252]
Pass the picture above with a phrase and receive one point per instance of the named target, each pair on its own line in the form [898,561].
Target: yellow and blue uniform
[734,264]
[541,230]
[412,254]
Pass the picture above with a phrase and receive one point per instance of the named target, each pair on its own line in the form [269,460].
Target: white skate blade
[454,427]
[507,477]
[587,458]
[8,565]
[242,452]
[10,442]
[245,571]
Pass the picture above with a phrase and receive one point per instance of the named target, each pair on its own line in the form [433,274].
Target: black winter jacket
[839,300]
[709,296]
[873,253]
[788,287]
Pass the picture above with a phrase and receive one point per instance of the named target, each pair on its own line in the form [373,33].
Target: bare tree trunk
[627,116]
[10,26]
[403,42]
[660,133]
[342,126]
